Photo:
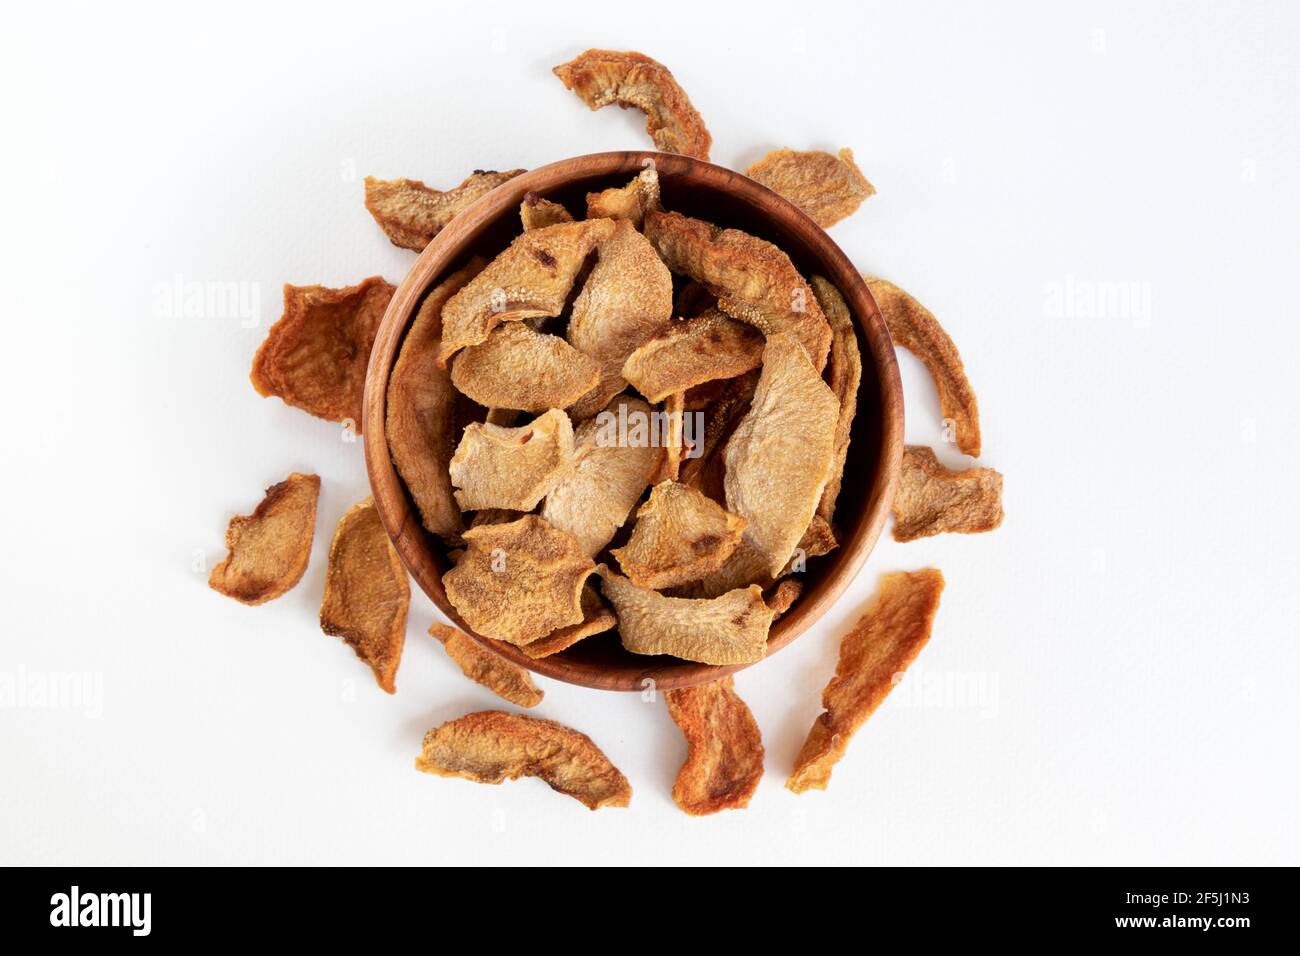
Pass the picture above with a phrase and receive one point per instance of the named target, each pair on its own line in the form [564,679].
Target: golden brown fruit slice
[630,202]
[508,681]
[782,596]
[754,280]
[845,374]
[818,539]
[710,346]
[491,746]
[931,499]
[315,356]
[828,188]
[366,592]
[601,77]
[596,618]
[729,629]
[873,655]
[538,213]
[674,442]
[611,470]
[915,328]
[530,279]
[520,368]
[627,299]
[269,549]
[724,759]
[519,582]
[512,468]
[723,404]
[411,213]
[680,535]
[420,421]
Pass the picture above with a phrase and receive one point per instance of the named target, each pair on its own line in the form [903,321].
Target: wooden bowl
[721,196]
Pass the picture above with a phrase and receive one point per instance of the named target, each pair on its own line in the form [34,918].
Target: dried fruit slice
[411,213]
[627,299]
[754,280]
[872,657]
[491,746]
[366,593]
[708,347]
[538,213]
[530,279]
[818,539]
[612,468]
[782,596]
[915,328]
[630,202]
[675,447]
[724,759]
[931,499]
[315,356]
[596,618]
[269,549]
[828,188]
[729,629]
[845,373]
[520,368]
[514,468]
[508,681]
[519,582]
[680,535]
[420,421]
[724,404]
[601,77]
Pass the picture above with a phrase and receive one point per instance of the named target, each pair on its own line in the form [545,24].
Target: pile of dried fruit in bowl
[628,421]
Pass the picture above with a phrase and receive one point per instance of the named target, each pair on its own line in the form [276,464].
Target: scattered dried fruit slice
[782,596]
[845,373]
[915,328]
[601,77]
[710,346]
[411,213]
[754,280]
[420,421]
[729,629]
[514,468]
[269,549]
[612,466]
[828,188]
[538,213]
[530,279]
[630,202]
[520,368]
[508,681]
[366,592]
[315,356]
[519,582]
[872,656]
[680,535]
[931,499]
[596,618]
[490,747]
[724,760]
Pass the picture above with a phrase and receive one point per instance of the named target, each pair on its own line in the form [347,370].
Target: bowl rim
[401,520]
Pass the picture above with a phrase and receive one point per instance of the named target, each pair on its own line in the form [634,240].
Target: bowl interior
[721,196]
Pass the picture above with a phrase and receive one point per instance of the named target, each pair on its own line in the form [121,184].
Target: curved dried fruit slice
[630,202]
[508,681]
[845,373]
[782,597]
[754,280]
[680,535]
[269,549]
[931,499]
[627,299]
[674,443]
[828,188]
[538,213]
[519,582]
[730,629]
[411,213]
[491,746]
[724,404]
[366,593]
[512,468]
[915,328]
[596,619]
[520,368]
[420,420]
[613,465]
[873,655]
[817,539]
[710,346]
[315,356]
[724,760]
[601,77]
[530,279]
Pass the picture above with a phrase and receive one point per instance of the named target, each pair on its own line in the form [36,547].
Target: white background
[1113,673]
